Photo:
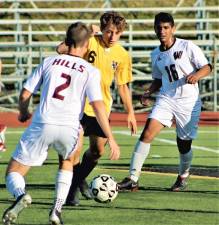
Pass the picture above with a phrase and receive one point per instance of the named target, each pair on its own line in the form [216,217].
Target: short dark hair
[76,35]
[112,17]
[163,17]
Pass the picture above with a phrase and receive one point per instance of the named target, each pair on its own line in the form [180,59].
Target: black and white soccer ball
[104,188]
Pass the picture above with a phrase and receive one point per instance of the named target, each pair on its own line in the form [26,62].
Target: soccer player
[177,66]
[114,62]
[66,80]
[2,126]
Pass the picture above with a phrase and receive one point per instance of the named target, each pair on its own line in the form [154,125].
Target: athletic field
[153,204]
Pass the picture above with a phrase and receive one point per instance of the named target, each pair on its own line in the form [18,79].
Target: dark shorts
[91,126]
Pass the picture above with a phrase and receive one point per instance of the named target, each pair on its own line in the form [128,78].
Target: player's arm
[154,87]
[32,85]
[24,101]
[203,72]
[127,102]
[102,118]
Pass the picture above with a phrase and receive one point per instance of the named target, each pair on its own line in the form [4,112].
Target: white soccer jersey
[66,80]
[173,65]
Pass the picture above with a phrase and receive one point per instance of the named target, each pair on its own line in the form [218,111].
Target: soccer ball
[103,188]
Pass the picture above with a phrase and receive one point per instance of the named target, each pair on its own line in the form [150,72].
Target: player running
[66,80]
[177,66]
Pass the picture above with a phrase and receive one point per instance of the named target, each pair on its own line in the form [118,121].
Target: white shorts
[185,115]
[33,146]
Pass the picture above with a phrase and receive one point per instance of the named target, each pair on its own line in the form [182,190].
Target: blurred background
[31,30]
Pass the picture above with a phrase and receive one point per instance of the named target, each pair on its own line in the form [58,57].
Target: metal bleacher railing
[25,42]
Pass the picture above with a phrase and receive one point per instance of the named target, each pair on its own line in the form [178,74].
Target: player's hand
[192,79]
[115,150]
[132,124]
[95,29]
[62,48]
[146,99]
[23,117]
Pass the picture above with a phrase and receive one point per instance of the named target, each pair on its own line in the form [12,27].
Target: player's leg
[160,117]
[185,155]
[92,155]
[88,163]
[97,141]
[141,151]
[186,128]
[15,184]
[2,138]
[63,183]
[73,195]
[65,143]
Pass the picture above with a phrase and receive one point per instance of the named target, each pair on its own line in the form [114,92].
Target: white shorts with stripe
[32,149]
[185,114]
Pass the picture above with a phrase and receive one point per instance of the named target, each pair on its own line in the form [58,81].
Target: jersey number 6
[61,87]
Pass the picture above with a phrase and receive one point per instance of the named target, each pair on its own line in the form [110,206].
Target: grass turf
[153,204]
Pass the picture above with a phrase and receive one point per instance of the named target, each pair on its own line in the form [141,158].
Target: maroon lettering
[62,63]
[81,68]
[67,64]
[56,62]
[74,66]
[61,87]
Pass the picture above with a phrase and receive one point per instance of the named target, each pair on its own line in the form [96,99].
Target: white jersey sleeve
[93,90]
[34,81]
[156,74]
[196,55]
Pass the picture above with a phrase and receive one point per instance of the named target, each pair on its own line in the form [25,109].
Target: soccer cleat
[73,199]
[84,189]
[11,214]
[55,217]
[127,184]
[180,184]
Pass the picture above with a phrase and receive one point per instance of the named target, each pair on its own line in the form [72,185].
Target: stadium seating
[31,30]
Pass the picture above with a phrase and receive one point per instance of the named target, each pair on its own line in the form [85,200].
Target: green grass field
[153,204]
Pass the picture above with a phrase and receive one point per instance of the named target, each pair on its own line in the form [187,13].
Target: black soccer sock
[87,165]
[74,182]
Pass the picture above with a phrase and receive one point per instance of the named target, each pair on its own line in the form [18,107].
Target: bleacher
[31,30]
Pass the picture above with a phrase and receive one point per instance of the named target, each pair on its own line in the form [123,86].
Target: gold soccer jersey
[113,63]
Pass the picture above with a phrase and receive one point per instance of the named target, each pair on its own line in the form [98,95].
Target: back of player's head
[77,34]
[114,18]
[163,17]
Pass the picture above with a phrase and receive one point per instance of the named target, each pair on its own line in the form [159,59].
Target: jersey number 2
[61,87]
[172,73]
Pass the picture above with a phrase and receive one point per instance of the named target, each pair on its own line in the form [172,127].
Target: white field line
[172,142]
[127,133]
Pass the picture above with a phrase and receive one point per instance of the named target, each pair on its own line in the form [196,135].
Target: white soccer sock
[185,163]
[63,183]
[15,184]
[138,157]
